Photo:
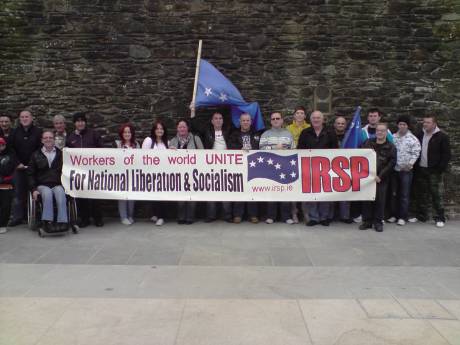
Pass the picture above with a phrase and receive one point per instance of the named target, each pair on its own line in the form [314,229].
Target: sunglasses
[276,118]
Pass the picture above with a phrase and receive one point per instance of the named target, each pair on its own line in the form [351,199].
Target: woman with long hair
[158,140]
[127,140]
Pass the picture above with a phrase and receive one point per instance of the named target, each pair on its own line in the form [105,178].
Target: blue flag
[353,135]
[271,166]
[214,89]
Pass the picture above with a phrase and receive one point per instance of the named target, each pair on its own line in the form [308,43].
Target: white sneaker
[3,230]
[412,220]
[358,219]
[154,219]
[269,221]
[159,222]
[391,220]
[440,224]
[289,221]
[131,220]
[401,222]
[125,221]
[295,219]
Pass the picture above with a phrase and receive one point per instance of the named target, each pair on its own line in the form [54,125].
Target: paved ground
[221,283]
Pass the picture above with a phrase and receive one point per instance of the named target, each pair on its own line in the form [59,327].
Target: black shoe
[378,227]
[312,223]
[365,226]
[209,220]
[325,222]
[62,226]
[181,222]
[99,223]
[347,221]
[14,222]
[188,222]
[229,220]
[83,223]
[48,226]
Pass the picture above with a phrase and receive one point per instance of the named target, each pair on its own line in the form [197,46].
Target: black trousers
[88,208]
[6,199]
[374,211]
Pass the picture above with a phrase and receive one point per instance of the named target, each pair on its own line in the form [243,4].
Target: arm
[199,143]
[416,148]
[445,153]
[390,163]
[263,143]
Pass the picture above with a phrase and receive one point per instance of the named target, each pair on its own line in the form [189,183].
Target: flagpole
[195,85]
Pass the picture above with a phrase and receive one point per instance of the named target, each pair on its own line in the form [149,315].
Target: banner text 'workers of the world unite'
[215,175]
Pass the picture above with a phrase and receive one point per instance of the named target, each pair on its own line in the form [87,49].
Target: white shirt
[50,155]
[219,141]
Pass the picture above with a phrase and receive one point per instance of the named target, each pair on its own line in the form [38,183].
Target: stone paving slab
[231,284]
[217,243]
[95,321]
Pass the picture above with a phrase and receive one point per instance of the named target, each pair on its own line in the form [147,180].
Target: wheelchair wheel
[31,213]
[72,210]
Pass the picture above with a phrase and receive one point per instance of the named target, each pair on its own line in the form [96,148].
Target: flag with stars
[353,136]
[281,169]
[214,89]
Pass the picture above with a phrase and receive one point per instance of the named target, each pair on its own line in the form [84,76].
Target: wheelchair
[34,215]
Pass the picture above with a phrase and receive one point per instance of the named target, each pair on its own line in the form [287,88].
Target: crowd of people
[410,169]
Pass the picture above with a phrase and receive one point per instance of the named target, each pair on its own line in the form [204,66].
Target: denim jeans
[343,210]
[126,208]
[252,208]
[285,210]
[46,195]
[211,212]
[318,211]
[401,183]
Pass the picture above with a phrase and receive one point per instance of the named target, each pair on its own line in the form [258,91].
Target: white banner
[215,175]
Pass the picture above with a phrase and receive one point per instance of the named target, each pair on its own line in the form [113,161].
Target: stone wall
[135,59]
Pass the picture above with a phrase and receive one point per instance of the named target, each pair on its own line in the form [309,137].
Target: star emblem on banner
[223,97]
[271,166]
[208,91]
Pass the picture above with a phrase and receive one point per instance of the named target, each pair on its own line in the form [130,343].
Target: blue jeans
[211,212]
[47,194]
[343,208]
[252,209]
[318,211]
[285,210]
[126,208]
[401,183]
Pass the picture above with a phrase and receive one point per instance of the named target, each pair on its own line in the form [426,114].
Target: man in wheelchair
[44,173]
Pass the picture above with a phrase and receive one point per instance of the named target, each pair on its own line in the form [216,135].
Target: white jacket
[408,149]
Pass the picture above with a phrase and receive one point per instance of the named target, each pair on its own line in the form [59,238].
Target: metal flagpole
[195,85]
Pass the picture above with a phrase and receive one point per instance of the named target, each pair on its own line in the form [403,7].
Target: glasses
[276,118]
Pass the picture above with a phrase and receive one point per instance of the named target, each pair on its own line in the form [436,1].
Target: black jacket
[325,140]
[386,156]
[87,138]
[24,142]
[8,163]
[439,153]
[39,172]
[235,140]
